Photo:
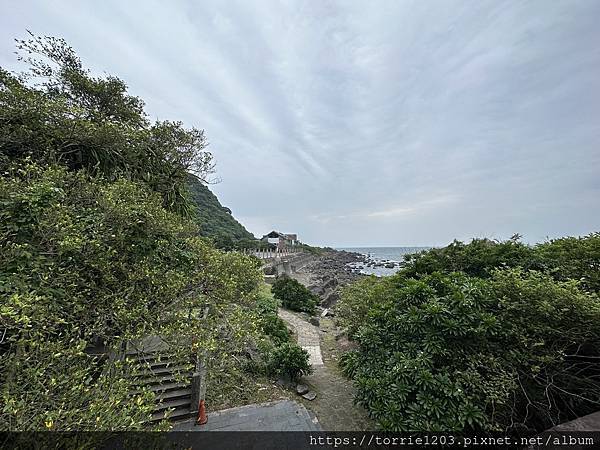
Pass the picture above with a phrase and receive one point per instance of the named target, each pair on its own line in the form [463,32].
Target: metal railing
[271,253]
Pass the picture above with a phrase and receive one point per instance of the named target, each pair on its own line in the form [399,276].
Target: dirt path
[334,406]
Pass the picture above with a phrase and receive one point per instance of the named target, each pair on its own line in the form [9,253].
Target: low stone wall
[286,264]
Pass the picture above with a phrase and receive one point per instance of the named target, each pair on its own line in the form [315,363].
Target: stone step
[164,370]
[178,414]
[172,404]
[149,356]
[162,362]
[168,377]
[173,394]
[163,379]
[163,388]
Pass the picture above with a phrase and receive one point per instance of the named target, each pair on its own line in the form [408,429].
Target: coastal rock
[330,300]
[326,274]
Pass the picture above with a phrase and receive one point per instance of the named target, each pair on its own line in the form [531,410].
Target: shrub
[84,260]
[294,295]
[576,258]
[272,325]
[450,352]
[290,360]
[477,258]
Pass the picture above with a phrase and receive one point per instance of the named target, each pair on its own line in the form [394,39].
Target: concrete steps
[167,369]
[166,377]
[173,415]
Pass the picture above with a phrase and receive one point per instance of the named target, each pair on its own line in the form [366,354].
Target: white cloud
[338,120]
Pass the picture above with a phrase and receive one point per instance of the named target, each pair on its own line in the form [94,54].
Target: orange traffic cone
[202,418]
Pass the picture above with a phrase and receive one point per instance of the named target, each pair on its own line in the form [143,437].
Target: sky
[359,123]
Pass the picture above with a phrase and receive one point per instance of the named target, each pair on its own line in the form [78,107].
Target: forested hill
[216,220]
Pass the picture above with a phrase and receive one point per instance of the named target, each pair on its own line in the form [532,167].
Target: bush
[276,329]
[84,260]
[576,258]
[272,325]
[450,352]
[477,258]
[290,360]
[294,295]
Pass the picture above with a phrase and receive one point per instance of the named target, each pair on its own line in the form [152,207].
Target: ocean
[379,254]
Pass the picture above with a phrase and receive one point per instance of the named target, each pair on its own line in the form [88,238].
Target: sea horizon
[383,246]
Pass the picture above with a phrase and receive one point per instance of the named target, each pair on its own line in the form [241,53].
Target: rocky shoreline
[366,262]
[325,274]
[328,272]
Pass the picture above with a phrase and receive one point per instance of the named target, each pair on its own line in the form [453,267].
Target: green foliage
[85,260]
[96,249]
[576,258]
[477,258]
[272,325]
[216,221]
[66,116]
[294,295]
[448,352]
[291,360]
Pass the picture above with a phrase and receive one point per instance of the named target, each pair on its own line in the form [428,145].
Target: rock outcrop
[324,276]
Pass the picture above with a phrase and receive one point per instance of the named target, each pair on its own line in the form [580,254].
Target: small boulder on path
[301,389]
[310,395]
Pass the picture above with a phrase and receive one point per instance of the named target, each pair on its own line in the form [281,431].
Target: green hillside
[216,220]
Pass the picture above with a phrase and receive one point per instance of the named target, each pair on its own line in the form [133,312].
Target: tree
[97,248]
[58,113]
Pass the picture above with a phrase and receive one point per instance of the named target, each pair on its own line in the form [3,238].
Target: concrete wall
[287,264]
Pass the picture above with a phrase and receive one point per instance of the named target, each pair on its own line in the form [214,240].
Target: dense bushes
[97,249]
[576,258]
[273,326]
[447,351]
[294,295]
[280,356]
[476,258]
[84,261]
